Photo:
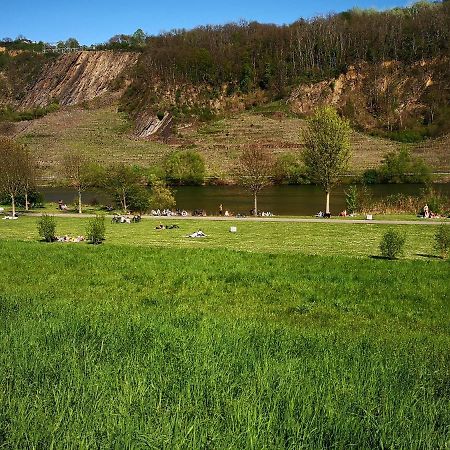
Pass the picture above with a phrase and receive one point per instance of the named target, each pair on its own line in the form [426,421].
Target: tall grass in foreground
[124,348]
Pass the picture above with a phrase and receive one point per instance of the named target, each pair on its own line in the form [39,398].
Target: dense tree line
[250,55]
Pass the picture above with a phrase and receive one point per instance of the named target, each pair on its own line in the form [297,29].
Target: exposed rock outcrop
[148,125]
[385,95]
[78,77]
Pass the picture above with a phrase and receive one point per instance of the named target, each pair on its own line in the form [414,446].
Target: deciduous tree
[327,149]
[77,171]
[254,171]
[14,169]
[162,196]
[122,182]
[29,175]
[185,167]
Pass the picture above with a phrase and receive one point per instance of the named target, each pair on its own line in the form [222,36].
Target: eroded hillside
[79,77]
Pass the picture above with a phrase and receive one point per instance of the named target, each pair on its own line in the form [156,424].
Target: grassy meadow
[322,238]
[280,336]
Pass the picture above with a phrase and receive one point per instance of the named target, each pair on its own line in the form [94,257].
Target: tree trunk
[327,208]
[13,204]
[79,201]
[26,200]
[124,202]
[255,208]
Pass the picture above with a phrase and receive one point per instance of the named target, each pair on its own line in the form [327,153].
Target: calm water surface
[280,200]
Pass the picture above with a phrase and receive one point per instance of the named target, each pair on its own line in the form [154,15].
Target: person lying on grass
[168,227]
[197,234]
[67,238]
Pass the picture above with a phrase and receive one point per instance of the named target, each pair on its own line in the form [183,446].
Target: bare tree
[255,167]
[327,149]
[76,167]
[13,169]
[29,180]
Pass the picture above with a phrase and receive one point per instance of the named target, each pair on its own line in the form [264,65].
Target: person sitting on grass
[62,206]
[160,227]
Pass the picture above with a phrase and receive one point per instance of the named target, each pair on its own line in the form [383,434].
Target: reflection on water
[281,200]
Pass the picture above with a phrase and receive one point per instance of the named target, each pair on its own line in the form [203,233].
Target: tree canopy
[15,173]
[327,148]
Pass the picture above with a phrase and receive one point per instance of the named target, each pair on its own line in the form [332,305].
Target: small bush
[442,240]
[391,245]
[95,231]
[371,176]
[46,226]
[351,199]
[289,170]
[185,167]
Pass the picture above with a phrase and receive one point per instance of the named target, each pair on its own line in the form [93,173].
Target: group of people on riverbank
[428,214]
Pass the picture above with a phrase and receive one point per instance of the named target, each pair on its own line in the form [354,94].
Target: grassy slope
[105,135]
[221,141]
[307,238]
[167,348]
[102,133]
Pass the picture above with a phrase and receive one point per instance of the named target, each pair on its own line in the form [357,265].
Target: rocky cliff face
[78,77]
[389,95]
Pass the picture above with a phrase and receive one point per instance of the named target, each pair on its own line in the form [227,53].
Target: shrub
[185,167]
[442,240]
[46,226]
[289,169]
[371,176]
[401,167]
[162,197]
[351,199]
[95,231]
[391,245]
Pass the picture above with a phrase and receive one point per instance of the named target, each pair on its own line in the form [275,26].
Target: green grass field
[344,239]
[154,340]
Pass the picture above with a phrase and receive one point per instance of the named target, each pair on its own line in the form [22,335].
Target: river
[280,200]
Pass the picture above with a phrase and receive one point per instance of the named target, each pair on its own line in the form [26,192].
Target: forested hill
[206,68]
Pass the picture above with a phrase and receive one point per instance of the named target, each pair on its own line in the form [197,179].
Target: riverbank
[303,201]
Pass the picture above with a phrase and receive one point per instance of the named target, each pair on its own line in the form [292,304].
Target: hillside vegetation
[385,70]
[107,137]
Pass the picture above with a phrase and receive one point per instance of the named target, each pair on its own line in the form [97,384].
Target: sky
[96,21]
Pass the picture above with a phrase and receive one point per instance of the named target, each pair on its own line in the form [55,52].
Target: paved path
[274,219]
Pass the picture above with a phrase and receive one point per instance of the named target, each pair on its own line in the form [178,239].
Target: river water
[280,200]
